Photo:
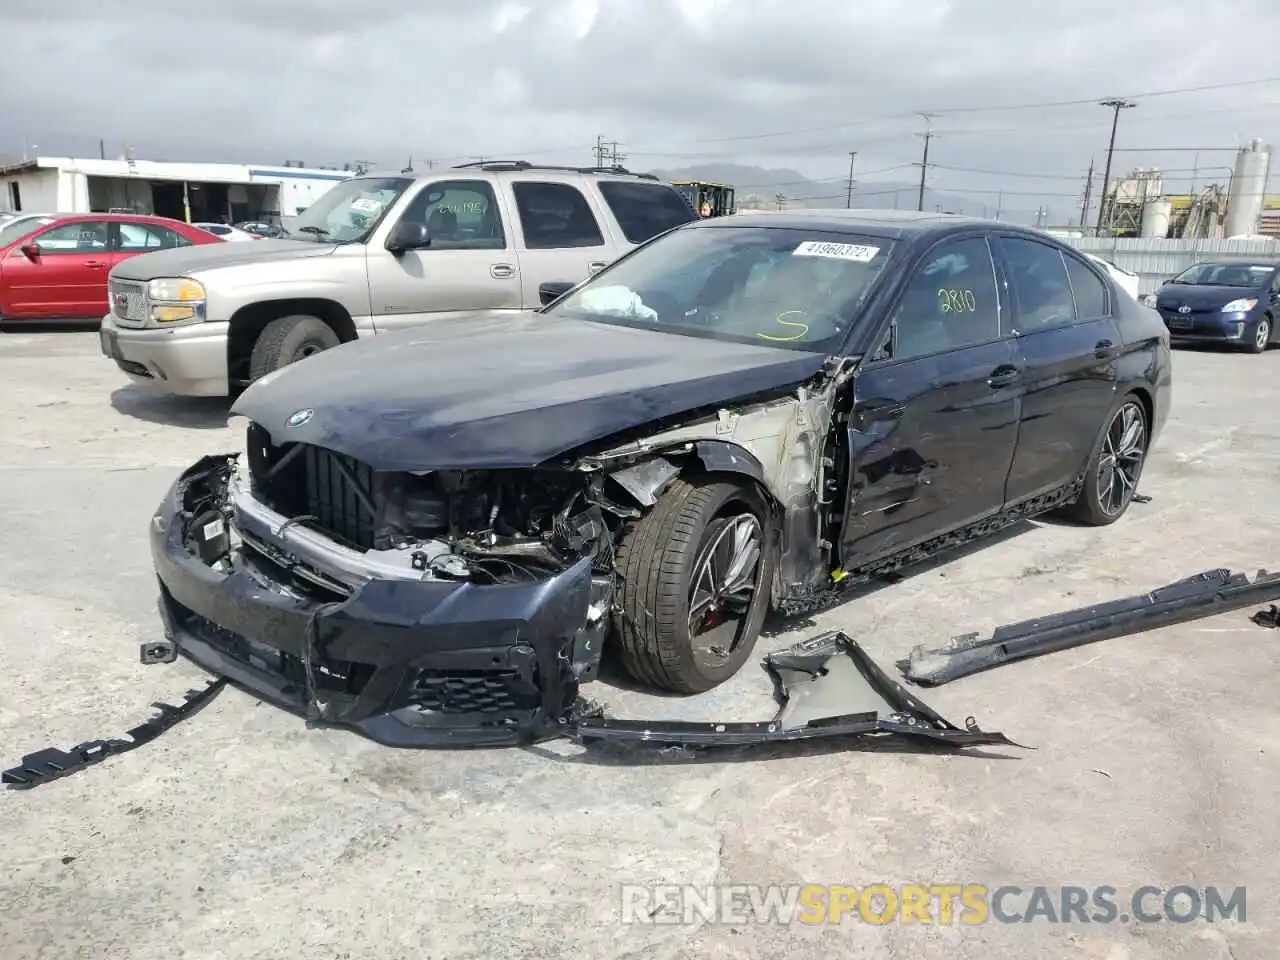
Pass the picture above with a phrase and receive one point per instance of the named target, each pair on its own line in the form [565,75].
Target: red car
[55,268]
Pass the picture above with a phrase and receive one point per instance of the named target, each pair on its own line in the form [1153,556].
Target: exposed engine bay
[479,526]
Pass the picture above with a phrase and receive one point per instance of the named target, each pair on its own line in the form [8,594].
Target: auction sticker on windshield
[837,251]
[364,204]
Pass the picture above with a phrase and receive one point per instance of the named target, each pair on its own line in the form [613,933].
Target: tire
[288,339]
[658,560]
[1261,336]
[1107,493]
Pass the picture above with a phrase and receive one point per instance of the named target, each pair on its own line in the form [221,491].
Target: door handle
[1004,376]
[502,271]
[596,266]
[1105,350]
[95,265]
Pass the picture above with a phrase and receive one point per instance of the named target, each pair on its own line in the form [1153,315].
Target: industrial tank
[1156,215]
[1248,186]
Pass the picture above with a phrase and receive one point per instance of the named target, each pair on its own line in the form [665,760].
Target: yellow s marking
[802,327]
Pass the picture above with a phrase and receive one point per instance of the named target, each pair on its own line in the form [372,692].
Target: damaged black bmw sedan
[433,534]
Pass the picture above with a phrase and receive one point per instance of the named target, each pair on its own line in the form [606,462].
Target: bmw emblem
[299,417]
[1182,309]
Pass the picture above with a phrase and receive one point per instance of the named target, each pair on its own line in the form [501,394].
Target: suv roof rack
[501,165]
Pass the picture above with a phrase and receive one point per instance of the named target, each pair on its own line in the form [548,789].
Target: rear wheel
[288,339]
[1115,468]
[1261,336]
[695,585]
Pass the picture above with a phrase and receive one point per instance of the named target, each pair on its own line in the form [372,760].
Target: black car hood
[492,390]
[1201,296]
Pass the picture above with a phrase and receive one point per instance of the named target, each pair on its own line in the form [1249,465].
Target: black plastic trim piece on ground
[828,687]
[1267,618]
[52,764]
[1204,595]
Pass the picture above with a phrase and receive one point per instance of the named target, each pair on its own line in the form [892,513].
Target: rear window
[644,210]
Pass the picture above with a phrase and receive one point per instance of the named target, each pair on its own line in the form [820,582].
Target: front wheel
[1112,477]
[1261,336]
[286,340]
[695,575]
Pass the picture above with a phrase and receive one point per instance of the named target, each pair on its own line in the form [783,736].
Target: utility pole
[1116,105]
[600,150]
[1088,194]
[615,158]
[848,199]
[780,200]
[999,203]
[924,160]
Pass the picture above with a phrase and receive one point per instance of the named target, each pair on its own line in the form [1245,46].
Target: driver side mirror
[886,349]
[408,235]
[31,251]
[553,290]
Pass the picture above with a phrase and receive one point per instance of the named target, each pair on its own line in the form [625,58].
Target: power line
[942,112]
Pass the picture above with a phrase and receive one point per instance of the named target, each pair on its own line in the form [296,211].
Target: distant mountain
[758,187]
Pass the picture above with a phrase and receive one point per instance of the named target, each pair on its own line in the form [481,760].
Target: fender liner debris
[1267,618]
[45,766]
[828,687]
[1203,595]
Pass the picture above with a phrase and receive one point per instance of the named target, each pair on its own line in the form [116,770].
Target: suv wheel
[287,339]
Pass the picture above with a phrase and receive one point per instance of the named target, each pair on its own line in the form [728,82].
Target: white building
[183,191]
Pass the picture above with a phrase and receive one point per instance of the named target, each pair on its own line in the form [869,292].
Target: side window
[460,215]
[644,210]
[136,238]
[555,216]
[1275,283]
[1090,292]
[950,302]
[88,237]
[1040,284]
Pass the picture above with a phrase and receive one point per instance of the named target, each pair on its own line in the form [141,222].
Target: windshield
[17,229]
[349,211]
[797,289]
[1225,274]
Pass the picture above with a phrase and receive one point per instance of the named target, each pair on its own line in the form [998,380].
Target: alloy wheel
[1262,336]
[723,586]
[1120,460]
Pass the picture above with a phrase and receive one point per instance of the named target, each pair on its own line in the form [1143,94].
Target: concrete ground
[242,833]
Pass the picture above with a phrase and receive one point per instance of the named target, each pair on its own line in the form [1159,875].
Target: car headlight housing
[1148,300]
[176,300]
[1243,305]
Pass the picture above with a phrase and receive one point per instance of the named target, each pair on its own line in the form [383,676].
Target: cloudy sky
[794,84]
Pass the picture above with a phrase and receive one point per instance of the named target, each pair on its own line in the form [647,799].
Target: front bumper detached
[407,663]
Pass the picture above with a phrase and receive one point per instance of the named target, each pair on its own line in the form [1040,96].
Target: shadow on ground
[197,413]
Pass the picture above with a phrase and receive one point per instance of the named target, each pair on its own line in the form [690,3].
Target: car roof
[1269,264]
[890,224]
[114,218]
[508,167]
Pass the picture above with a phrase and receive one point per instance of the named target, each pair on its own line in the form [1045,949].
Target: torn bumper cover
[407,663]
[828,687]
[1203,595]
